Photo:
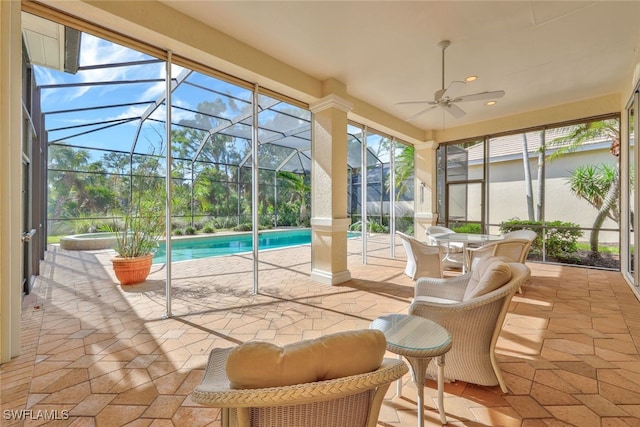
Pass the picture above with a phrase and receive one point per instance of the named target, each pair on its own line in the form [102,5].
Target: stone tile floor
[109,356]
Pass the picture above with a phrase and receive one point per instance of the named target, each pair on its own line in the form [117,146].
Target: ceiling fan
[448,98]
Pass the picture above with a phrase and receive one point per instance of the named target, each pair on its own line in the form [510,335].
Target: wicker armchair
[352,401]
[422,260]
[474,323]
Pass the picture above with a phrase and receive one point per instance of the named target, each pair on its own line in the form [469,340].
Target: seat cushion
[261,364]
[489,274]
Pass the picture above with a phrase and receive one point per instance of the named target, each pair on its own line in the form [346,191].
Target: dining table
[467,239]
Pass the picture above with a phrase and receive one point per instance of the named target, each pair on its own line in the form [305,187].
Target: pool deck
[109,356]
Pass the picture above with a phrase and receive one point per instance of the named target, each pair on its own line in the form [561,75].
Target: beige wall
[507,192]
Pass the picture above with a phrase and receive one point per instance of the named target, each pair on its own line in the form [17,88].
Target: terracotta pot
[130,271]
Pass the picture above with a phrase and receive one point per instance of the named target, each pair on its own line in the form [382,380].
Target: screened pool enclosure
[104,125]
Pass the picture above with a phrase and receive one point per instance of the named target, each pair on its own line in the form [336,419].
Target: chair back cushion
[489,274]
[515,250]
[261,364]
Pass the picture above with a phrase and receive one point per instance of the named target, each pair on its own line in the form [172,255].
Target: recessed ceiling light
[491,103]
[471,79]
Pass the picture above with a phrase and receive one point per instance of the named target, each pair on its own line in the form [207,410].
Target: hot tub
[88,241]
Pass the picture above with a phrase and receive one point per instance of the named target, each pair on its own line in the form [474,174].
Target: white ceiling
[542,53]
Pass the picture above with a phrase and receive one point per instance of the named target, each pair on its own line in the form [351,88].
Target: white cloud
[95,51]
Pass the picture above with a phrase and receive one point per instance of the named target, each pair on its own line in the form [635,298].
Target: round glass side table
[418,340]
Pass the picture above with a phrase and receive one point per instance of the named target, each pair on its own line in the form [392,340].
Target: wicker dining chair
[422,260]
[511,250]
[521,234]
[352,401]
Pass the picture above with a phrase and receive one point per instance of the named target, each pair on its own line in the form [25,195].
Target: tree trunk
[527,177]
[541,164]
[609,200]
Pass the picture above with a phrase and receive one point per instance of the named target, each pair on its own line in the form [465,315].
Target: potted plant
[137,237]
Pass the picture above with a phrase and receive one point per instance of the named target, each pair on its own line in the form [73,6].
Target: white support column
[425,187]
[329,222]
[10,179]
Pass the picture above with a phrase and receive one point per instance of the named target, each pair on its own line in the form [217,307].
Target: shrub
[265,221]
[190,230]
[561,237]
[86,225]
[405,224]
[208,229]
[224,222]
[373,227]
[468,228]
[242,227]
[178,223]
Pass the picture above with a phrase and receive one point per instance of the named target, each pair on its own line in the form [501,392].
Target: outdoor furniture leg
[443,416]
[418,374]
[399,384]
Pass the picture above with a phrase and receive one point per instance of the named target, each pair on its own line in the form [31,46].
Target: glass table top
[412,334]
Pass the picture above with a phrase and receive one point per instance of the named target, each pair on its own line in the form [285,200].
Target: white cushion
[260,364]
[489,274]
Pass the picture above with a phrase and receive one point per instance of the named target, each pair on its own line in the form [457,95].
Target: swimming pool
[208,246]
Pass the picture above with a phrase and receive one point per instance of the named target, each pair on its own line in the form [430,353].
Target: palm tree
[599,186]
[298,189]
[404,169]
[66,184]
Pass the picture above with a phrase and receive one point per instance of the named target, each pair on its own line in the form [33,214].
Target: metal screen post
[254,187]
[392,198]
[168,187]
[363,192]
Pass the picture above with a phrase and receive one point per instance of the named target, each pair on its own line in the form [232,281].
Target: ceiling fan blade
[454,110]
[480,96]
[414,102]
[421,112]
[452,90]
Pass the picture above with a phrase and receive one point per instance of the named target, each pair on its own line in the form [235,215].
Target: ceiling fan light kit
[448,98]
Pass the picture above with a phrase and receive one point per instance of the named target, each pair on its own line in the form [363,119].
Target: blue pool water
[208,246]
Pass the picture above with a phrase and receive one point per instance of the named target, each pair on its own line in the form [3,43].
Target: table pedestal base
[419,367]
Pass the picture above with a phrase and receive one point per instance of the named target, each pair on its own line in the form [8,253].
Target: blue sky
[76,128]
[95,51]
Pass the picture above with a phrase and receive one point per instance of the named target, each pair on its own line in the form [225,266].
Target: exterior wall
[507,197]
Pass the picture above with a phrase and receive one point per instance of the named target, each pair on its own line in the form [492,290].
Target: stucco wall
[507,191]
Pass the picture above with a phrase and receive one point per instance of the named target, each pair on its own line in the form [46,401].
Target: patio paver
[108,356]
